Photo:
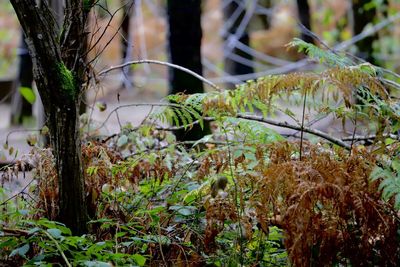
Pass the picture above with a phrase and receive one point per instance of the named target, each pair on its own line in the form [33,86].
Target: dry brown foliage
[330,211]
[326,204]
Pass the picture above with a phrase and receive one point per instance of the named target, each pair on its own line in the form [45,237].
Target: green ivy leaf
[54,232]
[28,94]
[33,230]
[139,259]
[122,140]
[21,251]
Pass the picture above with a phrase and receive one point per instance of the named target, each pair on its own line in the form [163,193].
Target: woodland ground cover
[243,195]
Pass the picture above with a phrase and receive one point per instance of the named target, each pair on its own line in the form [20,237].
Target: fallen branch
[14,232]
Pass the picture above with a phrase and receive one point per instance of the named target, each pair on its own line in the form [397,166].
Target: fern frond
[255,132]
[345,80]
[323,56]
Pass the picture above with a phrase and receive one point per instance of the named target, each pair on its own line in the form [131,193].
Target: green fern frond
[323,56]
[390,182]
[254,131]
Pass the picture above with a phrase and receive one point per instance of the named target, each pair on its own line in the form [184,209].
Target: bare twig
[142,105]
[58,248]
[19,193]
[370,137]
[14,232]
[367,32]
[157,62]
[302,124]
[284,124]
[22,131]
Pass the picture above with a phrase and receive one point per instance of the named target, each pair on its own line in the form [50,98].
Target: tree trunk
[20,107]
[303,9]
[236,61]
[65,141]
[59,72]
[362,18]
[184,40]
[126,45]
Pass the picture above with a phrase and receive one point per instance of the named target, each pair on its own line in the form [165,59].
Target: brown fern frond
[330,212]
[346,80]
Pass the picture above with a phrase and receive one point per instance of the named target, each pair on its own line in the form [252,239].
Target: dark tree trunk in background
[266,19]
[59,71]
[236,61]
[362,18]
[126,17]
[184,43]
[304,13]
[20,107]
[126,44]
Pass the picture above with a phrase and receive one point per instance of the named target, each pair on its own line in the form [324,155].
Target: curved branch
[284,124]
[157,62]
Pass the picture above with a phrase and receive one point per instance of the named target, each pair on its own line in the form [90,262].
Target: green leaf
[184,210]
[140,260]
[396,165]
[122,140]
[54,232]
[21,251]
[28,94]
[120,234]
[7,243]
[368,68]
[34,230]
[397,201]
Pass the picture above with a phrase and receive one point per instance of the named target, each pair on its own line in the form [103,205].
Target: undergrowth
[245,195]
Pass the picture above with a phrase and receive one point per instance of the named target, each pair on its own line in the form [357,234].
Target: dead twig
[157,62]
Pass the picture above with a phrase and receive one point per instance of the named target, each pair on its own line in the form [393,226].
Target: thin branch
[19,193]
[301,64]
[370,137]
[302,124]
[58,248]
[157,62]
[367,32]
[336,141]
[284,124]
[22,131]
[141,105]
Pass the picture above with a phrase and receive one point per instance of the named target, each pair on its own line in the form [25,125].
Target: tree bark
[59,72]
[184,43]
